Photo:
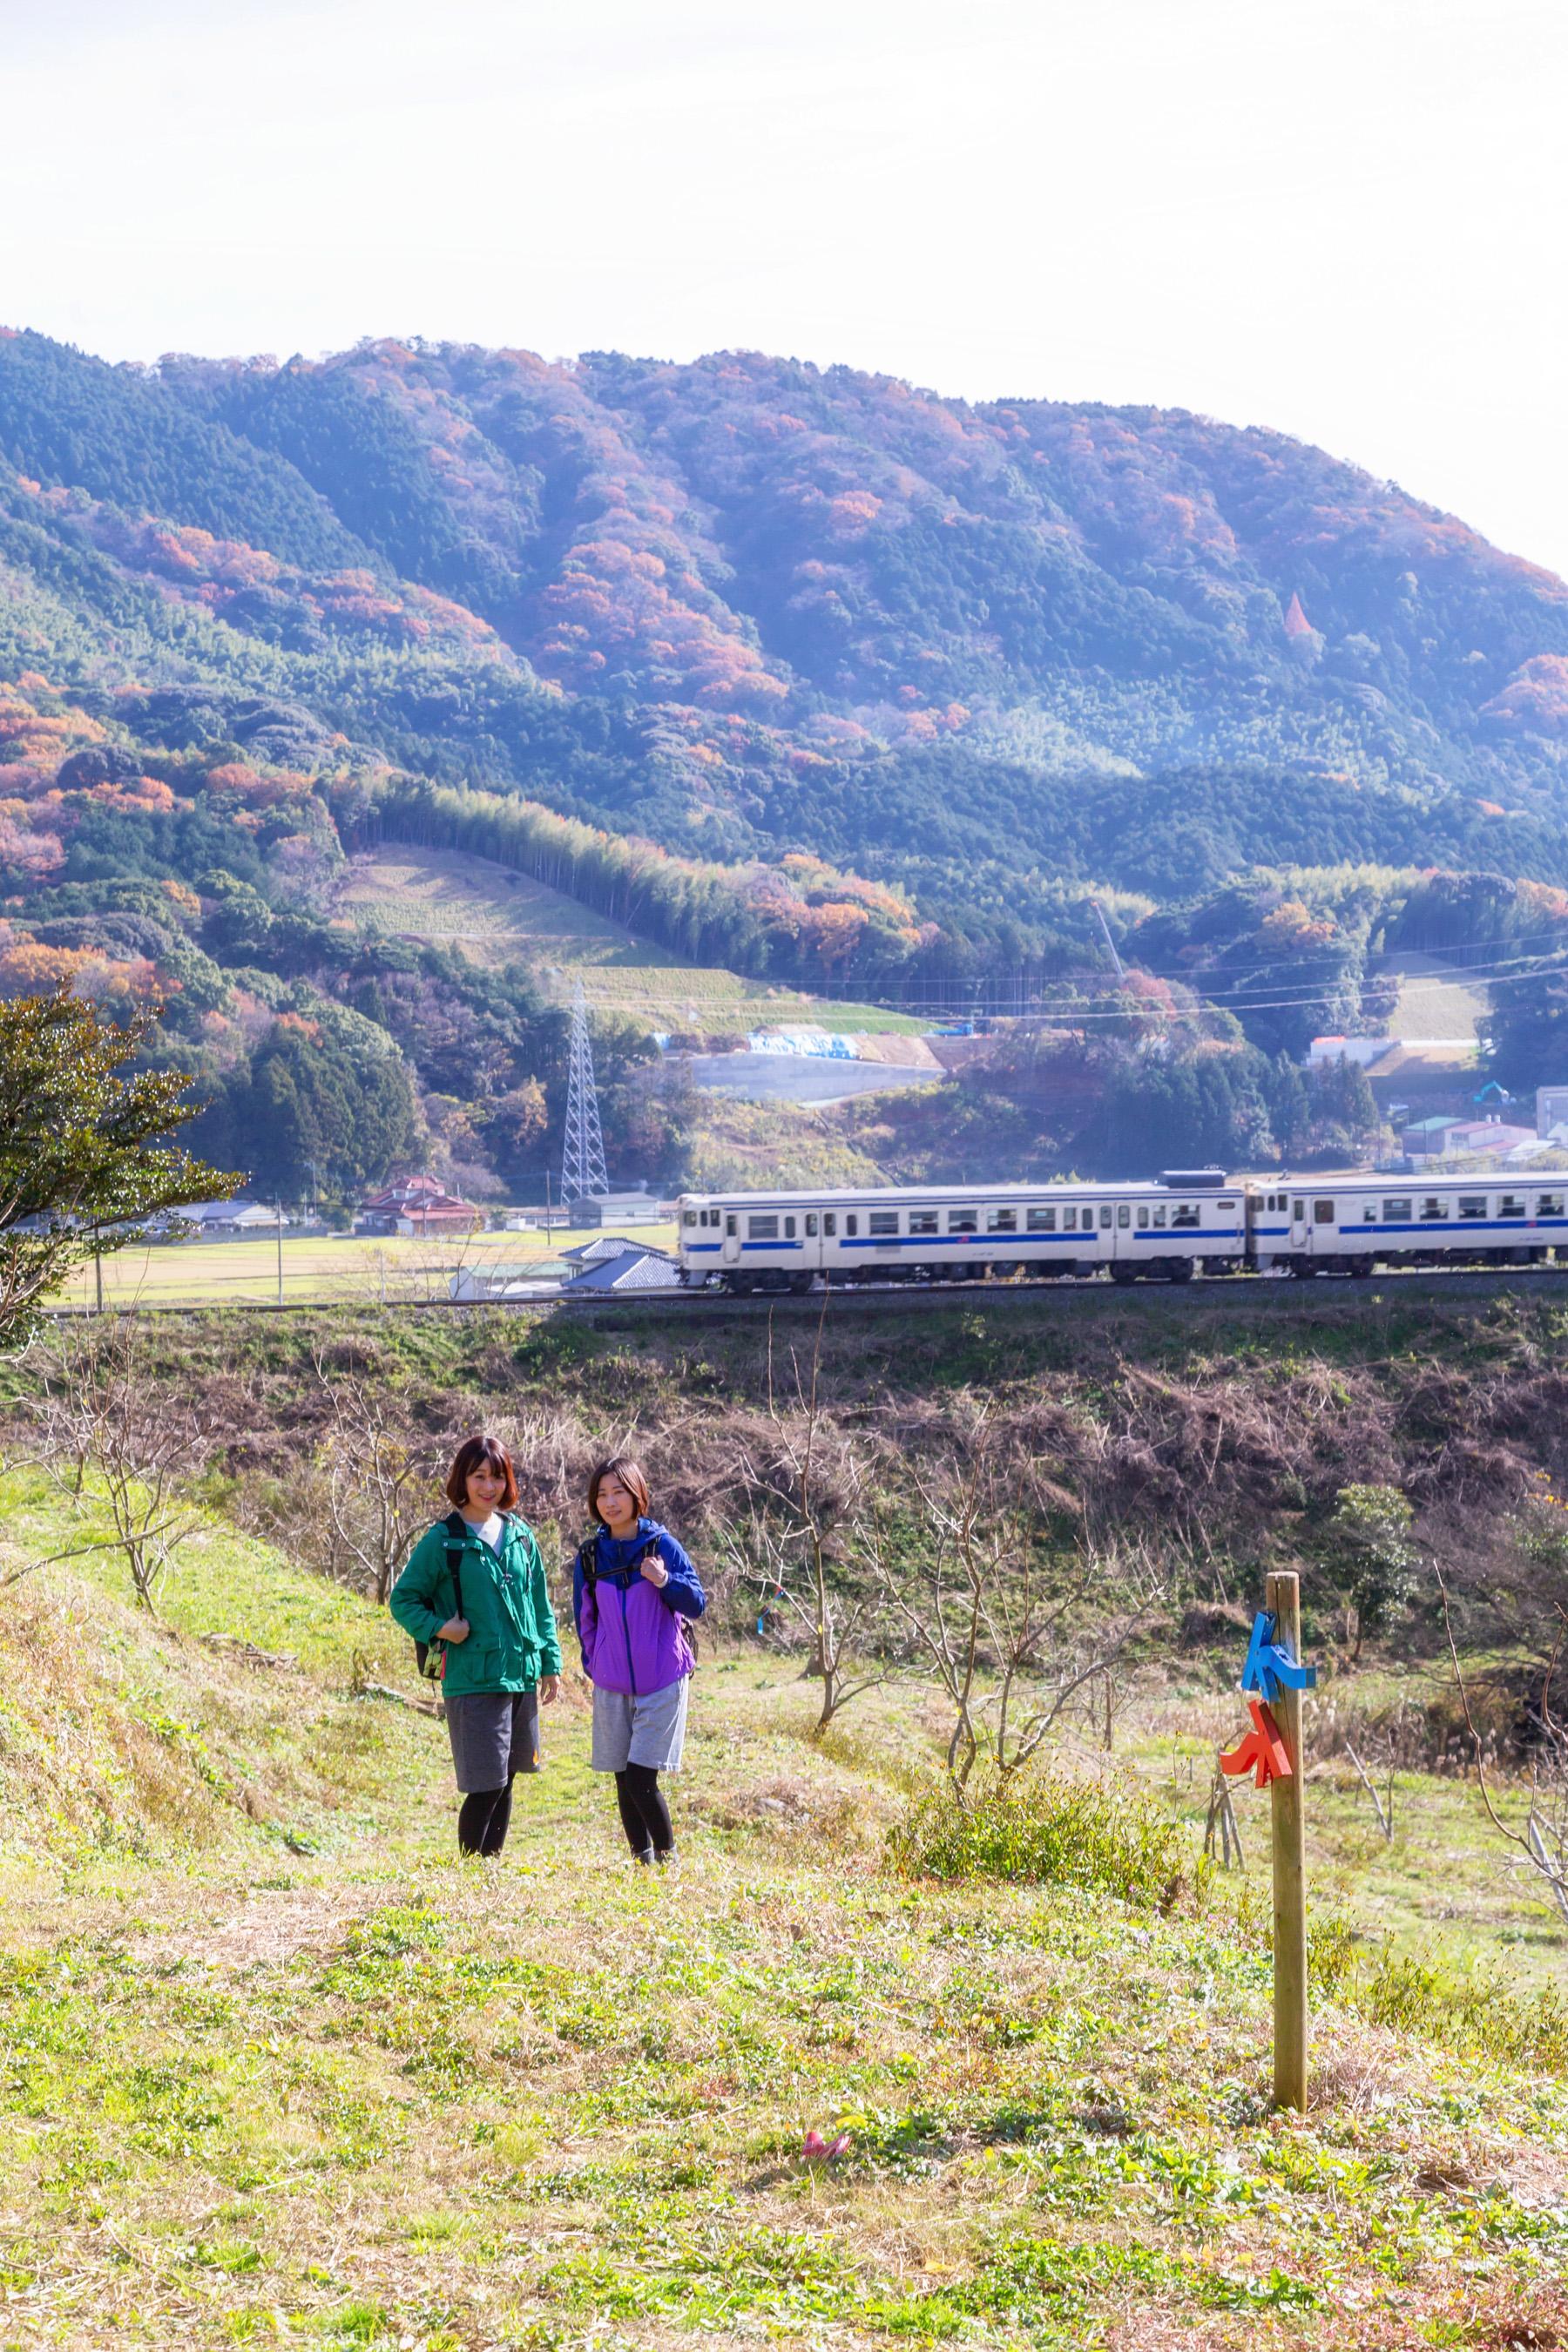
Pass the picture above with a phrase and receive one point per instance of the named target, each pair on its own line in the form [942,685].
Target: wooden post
[1282,1599]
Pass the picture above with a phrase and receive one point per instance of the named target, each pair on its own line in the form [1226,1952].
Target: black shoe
[645,1858]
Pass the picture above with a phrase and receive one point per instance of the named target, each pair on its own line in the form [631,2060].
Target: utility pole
[97,1265]
[583,1160]
[277,1212]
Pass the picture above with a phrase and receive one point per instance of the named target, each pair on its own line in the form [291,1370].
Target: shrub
[1041,1828]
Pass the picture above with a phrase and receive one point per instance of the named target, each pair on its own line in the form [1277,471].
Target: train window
[762,1229]
[851,1223]
[830,1223]
[1185,1213]
[729,1226]
[1001,1221]
[1511,1205]
[1123,1217]
[1322,1212]
[689,1216]
[882,1222]
[789,1229]
[1396,1211]
[1105,1219]
[922,1221]
[1160,1214]
[1472,1205]
[1297,1213]
[1433,1211]
[811,1224]
[963,1220]
[1142,1220]
[1369,1213]
[1042,1221]
[1550,1204]
[1069,1219]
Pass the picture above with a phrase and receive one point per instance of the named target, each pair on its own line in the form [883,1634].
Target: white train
[1188,1220]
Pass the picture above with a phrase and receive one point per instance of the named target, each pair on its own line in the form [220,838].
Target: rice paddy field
[319,1268]
[485,908]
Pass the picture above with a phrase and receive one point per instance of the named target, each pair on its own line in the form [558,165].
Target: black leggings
[645,1816]
[482,1821]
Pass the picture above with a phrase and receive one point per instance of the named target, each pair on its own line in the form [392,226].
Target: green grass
[289,2072]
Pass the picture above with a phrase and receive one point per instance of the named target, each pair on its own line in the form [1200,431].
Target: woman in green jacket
[501,1655]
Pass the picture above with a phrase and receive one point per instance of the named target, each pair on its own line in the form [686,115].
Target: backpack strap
[456,1537]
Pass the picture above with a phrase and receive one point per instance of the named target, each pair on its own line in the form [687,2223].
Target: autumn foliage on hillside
[742,612]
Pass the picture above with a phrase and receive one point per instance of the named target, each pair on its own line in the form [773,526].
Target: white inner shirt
[490,1530]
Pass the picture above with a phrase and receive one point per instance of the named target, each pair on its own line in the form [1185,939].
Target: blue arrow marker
[1268,1668]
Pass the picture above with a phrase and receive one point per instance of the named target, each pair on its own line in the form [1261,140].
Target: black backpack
[431,1656]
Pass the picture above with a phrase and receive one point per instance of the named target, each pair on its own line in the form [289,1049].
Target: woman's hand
[654,1568]
[455,1629]
[549,1684]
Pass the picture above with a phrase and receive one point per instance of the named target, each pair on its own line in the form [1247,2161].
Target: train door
[1122,1243]
[732,1237]
[1300,1231]
[815,1225]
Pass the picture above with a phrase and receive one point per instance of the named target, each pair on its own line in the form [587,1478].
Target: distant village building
[1451,1053]
[604,1245]
[221,1220]
[474,1283]
[639,1266]
[617,1209]
[1296,622]
[1550,1108]
[1445,1138]
[417,1204]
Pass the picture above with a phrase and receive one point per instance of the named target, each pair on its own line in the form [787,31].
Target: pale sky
[1344,218]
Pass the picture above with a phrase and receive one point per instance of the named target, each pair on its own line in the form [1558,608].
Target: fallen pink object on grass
[813,2145]
[840,2146]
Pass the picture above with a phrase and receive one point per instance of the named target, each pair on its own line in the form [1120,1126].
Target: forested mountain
[747,606]
[803,671]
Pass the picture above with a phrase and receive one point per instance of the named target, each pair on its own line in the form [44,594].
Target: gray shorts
[650,1730]
[493,1734]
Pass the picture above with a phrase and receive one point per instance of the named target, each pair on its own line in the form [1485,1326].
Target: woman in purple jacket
[632,1590]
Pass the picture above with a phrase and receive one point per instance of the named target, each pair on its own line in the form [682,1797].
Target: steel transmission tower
[583,1161]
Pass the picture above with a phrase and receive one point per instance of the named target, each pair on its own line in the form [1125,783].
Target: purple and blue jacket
[631,1631]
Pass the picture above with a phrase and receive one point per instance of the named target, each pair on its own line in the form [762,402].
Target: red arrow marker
[1261,1750]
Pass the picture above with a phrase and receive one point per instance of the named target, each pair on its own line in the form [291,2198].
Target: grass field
[469,902]
[317,1267]
[276,2068]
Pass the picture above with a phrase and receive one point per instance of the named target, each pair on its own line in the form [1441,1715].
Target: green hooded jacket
[511,1638]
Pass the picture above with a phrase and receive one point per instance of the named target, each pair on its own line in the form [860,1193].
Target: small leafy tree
[1376,1559]
[84,1151]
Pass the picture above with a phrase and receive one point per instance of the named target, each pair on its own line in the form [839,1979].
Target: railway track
[905,1297]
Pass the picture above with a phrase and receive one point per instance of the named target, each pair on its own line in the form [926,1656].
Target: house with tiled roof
[417,1204]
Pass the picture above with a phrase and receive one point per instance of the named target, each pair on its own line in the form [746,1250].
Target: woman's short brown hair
[632,1477]
[472,1451]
